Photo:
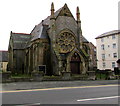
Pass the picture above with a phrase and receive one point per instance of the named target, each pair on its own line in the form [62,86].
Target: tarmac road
[53,84]
[102,94]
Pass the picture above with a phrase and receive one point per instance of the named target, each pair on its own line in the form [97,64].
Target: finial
[78,14]
[52,10]
[52,6]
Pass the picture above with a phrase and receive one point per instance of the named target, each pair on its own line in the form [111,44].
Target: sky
[21,16]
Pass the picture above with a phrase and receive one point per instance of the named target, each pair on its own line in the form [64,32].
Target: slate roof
[85,40]
[41,32]
[20,40]
[47,20]
[108,34]
[3,56]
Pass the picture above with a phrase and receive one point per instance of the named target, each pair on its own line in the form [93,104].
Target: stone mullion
[12,68]
[10,59]
[38,55]
[25,63]
[42,55]
[36,58]
[33,58]
[29,60]
[60,66]
[68,66]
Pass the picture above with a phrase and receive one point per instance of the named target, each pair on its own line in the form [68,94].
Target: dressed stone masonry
[56,45]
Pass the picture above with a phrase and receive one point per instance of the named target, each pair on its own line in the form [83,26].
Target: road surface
[100,94]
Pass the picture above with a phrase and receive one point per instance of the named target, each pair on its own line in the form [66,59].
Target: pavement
[53,84]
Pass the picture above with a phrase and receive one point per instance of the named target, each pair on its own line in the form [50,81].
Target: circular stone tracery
[66,42]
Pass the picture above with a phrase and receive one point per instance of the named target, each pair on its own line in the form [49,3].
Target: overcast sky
[20,16]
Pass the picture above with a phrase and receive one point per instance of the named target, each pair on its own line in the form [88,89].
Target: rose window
[66,42]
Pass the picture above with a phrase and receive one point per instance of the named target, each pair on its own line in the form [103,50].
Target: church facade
[55,45]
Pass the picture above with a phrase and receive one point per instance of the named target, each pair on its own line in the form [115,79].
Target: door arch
[75,63]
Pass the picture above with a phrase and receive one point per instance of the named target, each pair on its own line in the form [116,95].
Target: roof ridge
[3,50]
[21,33]
[108,33]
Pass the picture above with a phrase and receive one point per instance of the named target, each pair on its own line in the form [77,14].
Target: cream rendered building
[108,50]
[3,61]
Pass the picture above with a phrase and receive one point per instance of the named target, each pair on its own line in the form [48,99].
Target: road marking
[60,88]
[33,104]
[111,97]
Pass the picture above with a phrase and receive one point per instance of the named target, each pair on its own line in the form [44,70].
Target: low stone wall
[91,75]
[20,79]
[66,75]
[5,76]
[108,74]
[37,76]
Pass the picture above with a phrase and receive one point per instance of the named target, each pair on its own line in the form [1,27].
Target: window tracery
[66,42]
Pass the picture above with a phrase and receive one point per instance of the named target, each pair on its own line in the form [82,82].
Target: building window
[104,65]
[109,55]
[114,55]
[114,45]
[103,56]
[94,50]
[102,39]
[108,46]
[102,47]
[113,64]
[113,36]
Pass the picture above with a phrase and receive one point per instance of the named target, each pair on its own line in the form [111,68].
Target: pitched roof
[47,20]
[40,32]
[85,40]
[20,40]
[57,13]
[3,56]
[108,34]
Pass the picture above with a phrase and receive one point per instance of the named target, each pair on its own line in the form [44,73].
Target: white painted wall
[108,51]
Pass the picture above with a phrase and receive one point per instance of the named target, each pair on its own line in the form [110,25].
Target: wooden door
[75,64]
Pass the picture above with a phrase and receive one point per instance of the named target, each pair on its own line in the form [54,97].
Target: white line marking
[81,100]
[34,104]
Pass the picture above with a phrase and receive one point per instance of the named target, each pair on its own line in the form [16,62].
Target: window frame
[104,64]
[113,37]
[114,55]
[103,47]
[114,45]
[113,64]
[103,56]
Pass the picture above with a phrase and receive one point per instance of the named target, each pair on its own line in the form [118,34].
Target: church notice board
[42,68]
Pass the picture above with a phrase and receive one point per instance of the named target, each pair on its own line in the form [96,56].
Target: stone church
[54,46]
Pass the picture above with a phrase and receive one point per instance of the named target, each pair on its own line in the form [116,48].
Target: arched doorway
[75,64]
